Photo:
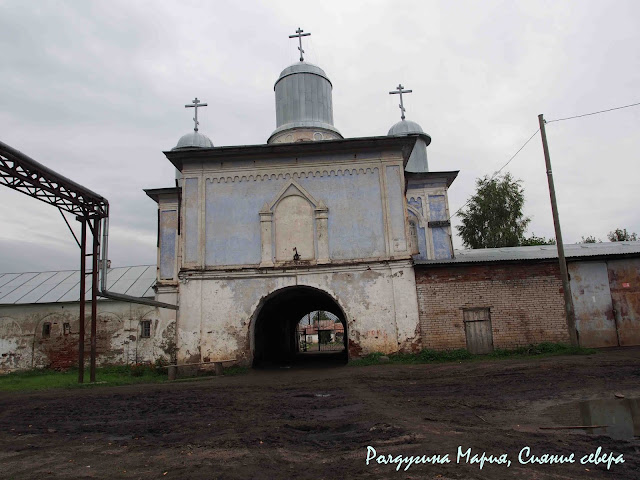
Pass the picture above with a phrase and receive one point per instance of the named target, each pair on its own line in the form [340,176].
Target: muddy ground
[317,423]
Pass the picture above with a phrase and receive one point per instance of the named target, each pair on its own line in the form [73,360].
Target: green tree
[590,239]
[324,336]
[621,235]
[533,240]
[493,217]
[321,315]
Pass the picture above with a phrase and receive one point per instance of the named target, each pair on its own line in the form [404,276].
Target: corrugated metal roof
[64,286]
[539,252]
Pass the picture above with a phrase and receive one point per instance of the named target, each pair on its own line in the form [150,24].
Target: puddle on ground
[620,415]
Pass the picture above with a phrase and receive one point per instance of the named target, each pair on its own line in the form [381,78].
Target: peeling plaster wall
[218,311]
[22,345]
[189,322]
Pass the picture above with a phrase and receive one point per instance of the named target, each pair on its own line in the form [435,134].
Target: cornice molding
[186,275]
[287,175]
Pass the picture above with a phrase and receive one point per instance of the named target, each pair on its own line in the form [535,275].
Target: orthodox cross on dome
[196,103]
[400,91]
[299,34]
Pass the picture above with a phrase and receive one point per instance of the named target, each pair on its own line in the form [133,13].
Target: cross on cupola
[400,91]
[196,103]
[299,34]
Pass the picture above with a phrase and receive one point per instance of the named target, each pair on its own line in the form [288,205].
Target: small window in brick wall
[46,330]
[66,328]
[145,329]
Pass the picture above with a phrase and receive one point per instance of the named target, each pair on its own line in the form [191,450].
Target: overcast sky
[96,91]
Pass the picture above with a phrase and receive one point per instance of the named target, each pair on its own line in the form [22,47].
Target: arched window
[293,220]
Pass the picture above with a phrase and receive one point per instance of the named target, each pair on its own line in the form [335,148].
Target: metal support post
[83,255]
[94,295]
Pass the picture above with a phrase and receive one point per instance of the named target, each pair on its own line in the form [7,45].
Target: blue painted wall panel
[191,220]
[395,193]
[437,208]
[356,226]
[168,231]
[441,243]
[232,222]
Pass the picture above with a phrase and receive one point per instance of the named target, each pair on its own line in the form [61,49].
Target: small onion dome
[417,162]
[193,140]
[407,127]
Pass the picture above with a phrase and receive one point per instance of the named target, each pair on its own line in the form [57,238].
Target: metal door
[595,321]
[625,295]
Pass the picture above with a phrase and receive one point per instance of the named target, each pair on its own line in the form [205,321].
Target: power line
[535,133]
[501,168]
[593,113]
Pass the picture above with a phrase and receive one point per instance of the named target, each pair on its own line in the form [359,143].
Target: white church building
[252,238]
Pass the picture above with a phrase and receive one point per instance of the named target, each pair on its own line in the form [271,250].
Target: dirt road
[318,423]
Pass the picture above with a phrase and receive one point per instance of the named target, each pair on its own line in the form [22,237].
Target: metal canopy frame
[23,174]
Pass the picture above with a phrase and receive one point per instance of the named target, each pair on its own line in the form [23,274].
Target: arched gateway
[275,333]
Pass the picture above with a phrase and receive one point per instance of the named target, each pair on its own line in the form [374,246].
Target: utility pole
[568,301]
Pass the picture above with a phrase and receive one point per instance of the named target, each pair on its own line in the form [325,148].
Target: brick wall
[525,302]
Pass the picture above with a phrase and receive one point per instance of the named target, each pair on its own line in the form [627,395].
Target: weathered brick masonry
[525,303]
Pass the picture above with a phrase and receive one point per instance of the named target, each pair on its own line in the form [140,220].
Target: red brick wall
[525,301]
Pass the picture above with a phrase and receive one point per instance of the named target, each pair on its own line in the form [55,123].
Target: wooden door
[477,328]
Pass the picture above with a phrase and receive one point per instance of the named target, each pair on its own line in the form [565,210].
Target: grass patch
[433,356]
[545,348]
[44,379]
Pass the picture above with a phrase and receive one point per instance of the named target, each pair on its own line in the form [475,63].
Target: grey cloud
[96,90]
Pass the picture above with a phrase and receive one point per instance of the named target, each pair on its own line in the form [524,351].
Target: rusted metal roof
[538,252]
[64,286]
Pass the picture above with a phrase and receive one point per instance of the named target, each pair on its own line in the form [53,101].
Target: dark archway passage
[276,340]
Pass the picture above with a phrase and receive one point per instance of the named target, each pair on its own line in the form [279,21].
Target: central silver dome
[304,105]
[302,67]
